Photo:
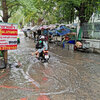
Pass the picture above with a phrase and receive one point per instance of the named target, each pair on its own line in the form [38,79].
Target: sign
[8,36]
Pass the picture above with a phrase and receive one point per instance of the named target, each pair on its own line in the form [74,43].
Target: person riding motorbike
[41,46]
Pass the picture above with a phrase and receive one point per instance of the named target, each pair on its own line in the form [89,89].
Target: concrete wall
[94,45]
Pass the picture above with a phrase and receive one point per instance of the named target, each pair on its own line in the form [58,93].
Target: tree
[51,10]
[9,7]
[81,8]
[5,11]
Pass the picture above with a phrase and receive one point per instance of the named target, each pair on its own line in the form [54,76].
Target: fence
[91,30]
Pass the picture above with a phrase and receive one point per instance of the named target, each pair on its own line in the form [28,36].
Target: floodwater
[68,75]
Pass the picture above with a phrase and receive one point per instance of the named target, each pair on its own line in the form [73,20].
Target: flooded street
[68,75]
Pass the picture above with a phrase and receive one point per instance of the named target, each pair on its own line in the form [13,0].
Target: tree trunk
[84,17]
[5,19]
[5,11]
[85,12]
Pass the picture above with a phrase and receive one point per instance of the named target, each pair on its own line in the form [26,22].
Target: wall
[94,45]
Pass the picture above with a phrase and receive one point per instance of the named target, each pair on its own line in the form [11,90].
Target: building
[1,15]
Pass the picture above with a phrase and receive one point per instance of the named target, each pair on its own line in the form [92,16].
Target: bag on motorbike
[39,45]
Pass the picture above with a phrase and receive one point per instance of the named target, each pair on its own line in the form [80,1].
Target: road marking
[44,78]
[23,99]
[43,97]
[4,74]
[14,87]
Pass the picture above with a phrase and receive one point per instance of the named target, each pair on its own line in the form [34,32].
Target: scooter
[44,56]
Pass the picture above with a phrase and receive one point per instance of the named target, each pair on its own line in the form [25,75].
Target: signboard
[8,36]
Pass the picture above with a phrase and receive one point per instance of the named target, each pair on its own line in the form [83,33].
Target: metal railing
[91,30]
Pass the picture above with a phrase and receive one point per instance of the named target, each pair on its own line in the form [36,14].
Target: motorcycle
[44,56]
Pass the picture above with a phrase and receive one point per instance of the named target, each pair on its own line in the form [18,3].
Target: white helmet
[42,37]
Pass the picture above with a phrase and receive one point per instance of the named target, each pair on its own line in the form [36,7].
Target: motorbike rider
[41,45]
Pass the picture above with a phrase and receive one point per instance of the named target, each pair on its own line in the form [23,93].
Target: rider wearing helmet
[41,45]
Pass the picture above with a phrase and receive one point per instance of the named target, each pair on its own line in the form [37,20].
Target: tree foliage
[70,9]
[53,11]
[8,7]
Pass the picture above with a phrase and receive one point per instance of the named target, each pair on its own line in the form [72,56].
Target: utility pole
[5,58]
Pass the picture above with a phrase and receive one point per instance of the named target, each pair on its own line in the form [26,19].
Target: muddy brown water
[68,75]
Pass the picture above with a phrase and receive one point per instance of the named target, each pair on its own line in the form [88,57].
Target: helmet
[42,37]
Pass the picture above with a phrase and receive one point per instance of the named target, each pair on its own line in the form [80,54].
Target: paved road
[67,76]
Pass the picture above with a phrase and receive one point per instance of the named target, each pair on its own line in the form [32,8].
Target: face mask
[40,41]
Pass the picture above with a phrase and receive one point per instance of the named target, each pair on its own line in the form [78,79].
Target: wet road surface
[67,76]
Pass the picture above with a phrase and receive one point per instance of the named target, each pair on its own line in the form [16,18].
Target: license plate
[46,56]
